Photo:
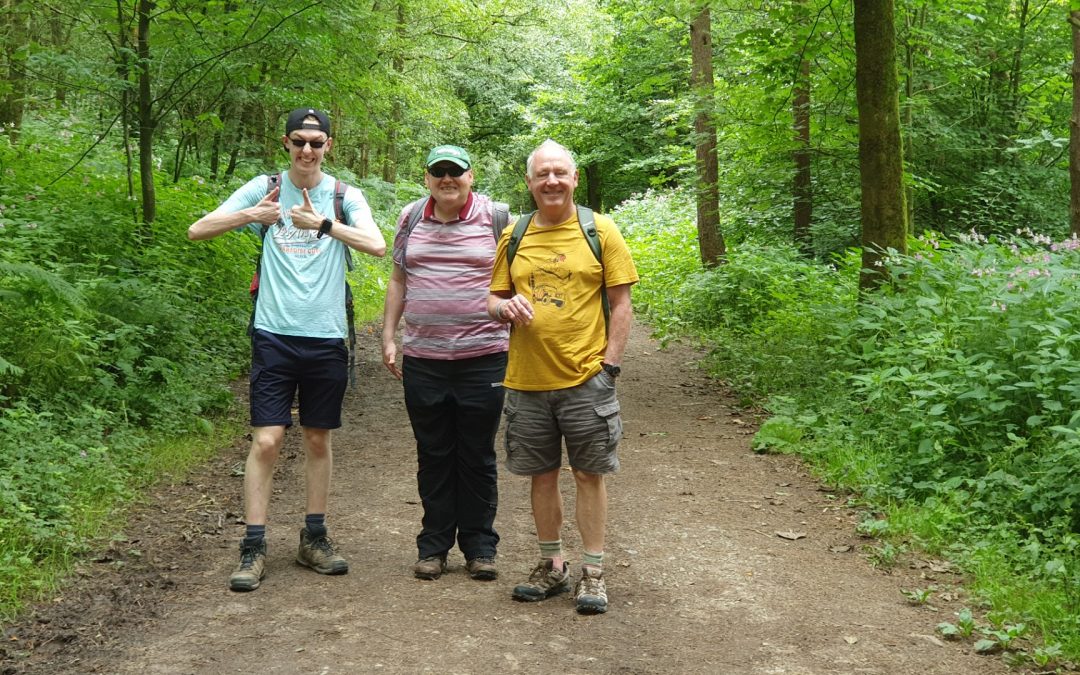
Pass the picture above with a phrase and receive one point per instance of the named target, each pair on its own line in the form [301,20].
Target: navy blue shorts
[283,364]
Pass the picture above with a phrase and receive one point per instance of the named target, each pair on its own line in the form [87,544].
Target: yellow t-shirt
[556,270]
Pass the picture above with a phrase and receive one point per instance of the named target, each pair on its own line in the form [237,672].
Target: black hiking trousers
[454,408]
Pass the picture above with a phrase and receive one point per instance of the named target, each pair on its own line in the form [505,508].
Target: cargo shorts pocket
[510,430]
[610,413]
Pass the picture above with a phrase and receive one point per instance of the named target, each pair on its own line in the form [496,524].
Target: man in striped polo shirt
[453,364]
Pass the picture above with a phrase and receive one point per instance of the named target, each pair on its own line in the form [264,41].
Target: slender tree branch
[87,151]
[216,59]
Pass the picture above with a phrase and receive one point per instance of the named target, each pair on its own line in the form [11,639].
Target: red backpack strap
[339,201]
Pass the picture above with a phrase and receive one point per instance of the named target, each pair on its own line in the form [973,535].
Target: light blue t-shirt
[302,282]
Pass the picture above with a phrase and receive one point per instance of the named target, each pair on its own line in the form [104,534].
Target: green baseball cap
[449,153]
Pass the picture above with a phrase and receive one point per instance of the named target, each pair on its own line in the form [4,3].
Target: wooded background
[866,210]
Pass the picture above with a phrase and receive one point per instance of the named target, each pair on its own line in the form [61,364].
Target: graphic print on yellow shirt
[556,270]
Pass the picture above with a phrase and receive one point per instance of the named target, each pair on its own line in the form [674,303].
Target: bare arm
[393,308]
[218,222]
[622,315]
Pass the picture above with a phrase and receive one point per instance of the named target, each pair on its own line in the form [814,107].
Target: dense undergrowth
[947,402]
[117,344]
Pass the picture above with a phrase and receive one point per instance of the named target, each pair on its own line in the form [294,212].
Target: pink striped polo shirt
[447,272]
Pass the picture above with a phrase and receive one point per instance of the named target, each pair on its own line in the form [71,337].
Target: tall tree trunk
[146,120]
[396,112]
[123,74]
[592,186]
[61,40]
[909,101]
[180,156]
[1074,129]
[710,241]
[1017,65]
[15,31]
[803,193]
[881,162]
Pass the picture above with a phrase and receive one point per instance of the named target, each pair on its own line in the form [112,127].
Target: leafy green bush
[948,399]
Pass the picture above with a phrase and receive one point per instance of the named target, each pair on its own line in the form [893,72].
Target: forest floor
[699,579]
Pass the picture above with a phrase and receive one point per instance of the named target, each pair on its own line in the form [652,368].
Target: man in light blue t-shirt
[299,329]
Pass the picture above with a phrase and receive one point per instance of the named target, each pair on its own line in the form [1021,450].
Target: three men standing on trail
[565,355]
[560,277]
[454,360]
[298,328]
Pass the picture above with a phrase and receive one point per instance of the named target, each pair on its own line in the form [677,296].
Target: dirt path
[699,581]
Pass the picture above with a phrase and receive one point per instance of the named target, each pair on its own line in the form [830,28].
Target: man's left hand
[305,217]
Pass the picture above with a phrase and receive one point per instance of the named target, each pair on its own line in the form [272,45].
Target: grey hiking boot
[429,568]
[482,568]
[251,570]
[590,596]
[318,553]
[544,582]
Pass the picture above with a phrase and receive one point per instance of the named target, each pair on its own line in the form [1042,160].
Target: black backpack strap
[588,227]
[512,245]
[340,187]
[416,212]
[520,226]
[339,215]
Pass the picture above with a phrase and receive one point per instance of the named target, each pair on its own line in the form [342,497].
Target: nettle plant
[969,359]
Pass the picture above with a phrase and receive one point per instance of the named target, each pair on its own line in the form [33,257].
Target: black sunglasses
[454,171]
[299,143]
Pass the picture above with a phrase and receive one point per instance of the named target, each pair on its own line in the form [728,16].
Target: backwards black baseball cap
[298,120]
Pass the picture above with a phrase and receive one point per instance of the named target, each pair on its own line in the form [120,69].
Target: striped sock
[594,560]
[553,550]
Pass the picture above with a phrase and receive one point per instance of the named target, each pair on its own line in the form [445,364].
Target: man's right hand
[268,210]
[389,355]
[516,310]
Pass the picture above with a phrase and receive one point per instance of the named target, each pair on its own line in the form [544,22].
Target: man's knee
[587,479]
[266,444]
[317,443]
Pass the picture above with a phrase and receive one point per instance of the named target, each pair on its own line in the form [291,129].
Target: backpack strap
[516,236]
[340,187]
[588,228]
[500,216]
[416,212]
[339,215]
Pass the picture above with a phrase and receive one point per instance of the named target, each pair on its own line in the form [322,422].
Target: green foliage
[946,400]
[778,434]
[111,339]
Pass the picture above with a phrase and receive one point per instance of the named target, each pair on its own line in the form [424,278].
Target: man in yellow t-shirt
[560,378]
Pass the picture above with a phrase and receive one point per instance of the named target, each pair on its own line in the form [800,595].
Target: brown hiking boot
[544,582]
[482,568]
[251,570]
[590,596]
[429,568]
[318,553]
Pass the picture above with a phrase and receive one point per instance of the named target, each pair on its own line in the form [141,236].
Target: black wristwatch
[611,370]
[324,228]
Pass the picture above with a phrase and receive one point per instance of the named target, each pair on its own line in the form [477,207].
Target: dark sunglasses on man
[300,143]
[453,170]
